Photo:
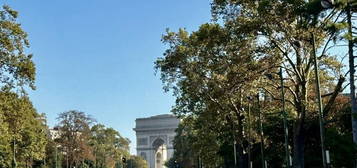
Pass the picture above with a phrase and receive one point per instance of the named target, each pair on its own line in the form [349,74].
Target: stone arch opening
[159,151]
[158,143]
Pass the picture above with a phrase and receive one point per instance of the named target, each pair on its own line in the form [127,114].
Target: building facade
[154,138]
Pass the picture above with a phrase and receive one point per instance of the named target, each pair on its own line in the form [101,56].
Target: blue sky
[98,56]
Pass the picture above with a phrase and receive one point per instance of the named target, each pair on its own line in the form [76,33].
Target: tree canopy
[213,70]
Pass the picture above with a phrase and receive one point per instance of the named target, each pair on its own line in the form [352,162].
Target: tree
[289,29]
[136,162]
[53,154]
[208,71]
[21,126]
[5,139]
[212,70]
[74,134]
[16,68]
[25,133]
[108,146]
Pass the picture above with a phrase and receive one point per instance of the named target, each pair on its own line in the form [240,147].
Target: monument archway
[154,136]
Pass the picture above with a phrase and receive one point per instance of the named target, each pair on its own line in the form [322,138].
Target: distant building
[154,137]
[54,133]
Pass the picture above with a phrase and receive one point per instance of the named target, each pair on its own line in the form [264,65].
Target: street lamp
[234,140]
[235,152]
[261,132]
[286,129]
[249,131]
[56,157]
[14,163]
[325,4]
[330,4]
[319,103]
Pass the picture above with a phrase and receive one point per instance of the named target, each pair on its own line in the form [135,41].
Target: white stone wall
[152,130]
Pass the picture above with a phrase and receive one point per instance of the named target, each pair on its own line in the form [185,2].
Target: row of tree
[77,142]
[25,139]
[225,77]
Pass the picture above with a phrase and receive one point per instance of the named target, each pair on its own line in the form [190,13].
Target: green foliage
[22,126]
[136,162]
[85,144]
[211,71]
[186,145]
[108,146]
[17,68]
[5,141]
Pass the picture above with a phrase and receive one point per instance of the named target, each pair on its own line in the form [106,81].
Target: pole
[319,103]
[249,134]
[235,153]
[14,163]
[56,157]
[286,130]
[67,164]
[352,78]
[261,133]
[199,161]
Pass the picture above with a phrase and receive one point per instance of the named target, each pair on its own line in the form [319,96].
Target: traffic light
[123,159]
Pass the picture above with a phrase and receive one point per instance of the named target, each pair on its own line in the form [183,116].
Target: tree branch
[272,95]
[332,99]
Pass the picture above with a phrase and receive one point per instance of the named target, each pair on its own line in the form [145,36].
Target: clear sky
[97,56]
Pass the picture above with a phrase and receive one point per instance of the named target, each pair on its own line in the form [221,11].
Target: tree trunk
[299,145]
[240,156]
[240,146]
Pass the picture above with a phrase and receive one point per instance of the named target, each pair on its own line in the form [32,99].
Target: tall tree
[288,28]
[108,146]
[212,70]
[208,71]
[74,134]
[26,129]
[5,141]
[16,67]
[17,70]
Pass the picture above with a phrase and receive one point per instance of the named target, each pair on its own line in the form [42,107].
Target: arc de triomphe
[154,136]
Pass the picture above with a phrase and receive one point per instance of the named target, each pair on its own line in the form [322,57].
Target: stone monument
[154,136]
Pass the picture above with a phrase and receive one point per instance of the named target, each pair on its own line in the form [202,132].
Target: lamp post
[249,131]
[285,121]
[261,132]
[14,163]
[329,4]
[319,103]
[56,158]
[286,130]
[235,152]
